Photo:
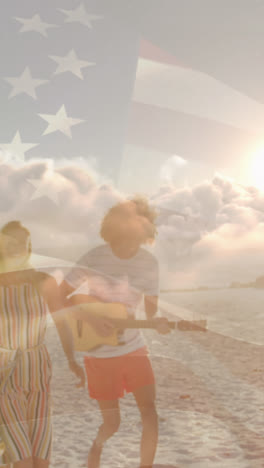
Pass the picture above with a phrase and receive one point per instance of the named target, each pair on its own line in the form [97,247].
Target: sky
[104,99]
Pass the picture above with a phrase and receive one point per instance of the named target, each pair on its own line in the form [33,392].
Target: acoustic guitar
[87,339]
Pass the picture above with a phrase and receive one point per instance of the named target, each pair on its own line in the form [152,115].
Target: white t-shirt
[112,279]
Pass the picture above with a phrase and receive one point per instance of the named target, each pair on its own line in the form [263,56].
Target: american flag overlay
[102,100]
[71,69]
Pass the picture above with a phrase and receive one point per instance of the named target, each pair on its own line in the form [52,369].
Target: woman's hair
[13,229]
[130,217]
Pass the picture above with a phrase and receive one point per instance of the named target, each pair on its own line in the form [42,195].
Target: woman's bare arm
[59,308]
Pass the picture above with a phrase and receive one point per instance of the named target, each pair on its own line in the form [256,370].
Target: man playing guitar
[121,271]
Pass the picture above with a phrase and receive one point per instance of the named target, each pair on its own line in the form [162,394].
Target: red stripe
[173,132]
[28,298]
[150,51]
[41,420]
[10,293]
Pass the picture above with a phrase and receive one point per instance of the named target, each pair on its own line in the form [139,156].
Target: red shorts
[110,378]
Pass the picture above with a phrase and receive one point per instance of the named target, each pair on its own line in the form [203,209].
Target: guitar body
[85,336]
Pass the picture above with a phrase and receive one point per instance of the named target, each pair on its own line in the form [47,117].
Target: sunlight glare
[257,169]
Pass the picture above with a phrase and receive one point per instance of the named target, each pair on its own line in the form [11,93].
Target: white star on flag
[70,63]
[35,24]
[59,276]
[84,288]
[80,15]
[60,122]
[24,84]
[16,149]
[45,188]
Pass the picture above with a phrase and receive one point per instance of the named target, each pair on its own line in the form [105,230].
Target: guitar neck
[134,323]
[183,325]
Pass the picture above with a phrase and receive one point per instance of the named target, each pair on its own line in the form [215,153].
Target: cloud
[212,233]
[219,237]
[229,254]
[65,227]
[174,169]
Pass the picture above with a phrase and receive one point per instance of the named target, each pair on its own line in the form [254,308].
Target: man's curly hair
[130,218]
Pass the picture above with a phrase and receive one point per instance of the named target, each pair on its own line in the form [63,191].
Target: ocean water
[237,313]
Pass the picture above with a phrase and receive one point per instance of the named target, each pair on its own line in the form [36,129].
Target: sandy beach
[210,399]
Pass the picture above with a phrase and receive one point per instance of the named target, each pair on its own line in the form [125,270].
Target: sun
[256,168]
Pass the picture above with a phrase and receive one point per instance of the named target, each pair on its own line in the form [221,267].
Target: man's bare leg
[145,398]
[111,420]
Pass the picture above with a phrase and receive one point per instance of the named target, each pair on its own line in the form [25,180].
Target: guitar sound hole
[79,328]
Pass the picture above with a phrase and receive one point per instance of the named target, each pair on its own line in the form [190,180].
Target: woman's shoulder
[44,278]
[46,285]
[16,278]
[28,277]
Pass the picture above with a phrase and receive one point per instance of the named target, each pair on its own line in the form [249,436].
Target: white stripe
[189,91]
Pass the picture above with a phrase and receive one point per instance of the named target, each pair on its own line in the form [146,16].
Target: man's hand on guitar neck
[162,325]
[151,308]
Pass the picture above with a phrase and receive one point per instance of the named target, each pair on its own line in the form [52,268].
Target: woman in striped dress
[25,366]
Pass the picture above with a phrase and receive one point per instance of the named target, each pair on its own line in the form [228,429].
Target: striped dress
[25,372]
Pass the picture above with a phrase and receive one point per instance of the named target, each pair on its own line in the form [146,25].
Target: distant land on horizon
[258,284]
